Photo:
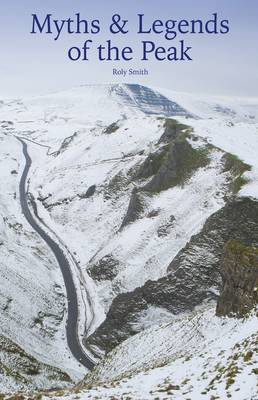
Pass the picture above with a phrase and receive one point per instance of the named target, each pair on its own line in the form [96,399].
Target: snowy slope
[32,290]
[73,123]
[229,123]
[32,300]
[96,137]
[196,357]
[238,109]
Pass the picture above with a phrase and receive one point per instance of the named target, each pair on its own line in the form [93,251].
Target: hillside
[141,189]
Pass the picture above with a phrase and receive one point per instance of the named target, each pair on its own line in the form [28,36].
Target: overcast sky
[222,65]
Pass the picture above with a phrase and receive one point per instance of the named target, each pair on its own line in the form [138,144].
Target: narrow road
[73,313]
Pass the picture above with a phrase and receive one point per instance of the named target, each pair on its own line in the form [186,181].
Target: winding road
[73,307]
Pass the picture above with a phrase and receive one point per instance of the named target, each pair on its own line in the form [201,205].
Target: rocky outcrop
[24,372]
[172,129]
[116,186]
[152,164]
[178,165]
[104,269]
[111,128]
[171,165]
[135,208]
[90,192]
[193,275]
[240,280]
[237,168]
[66,143]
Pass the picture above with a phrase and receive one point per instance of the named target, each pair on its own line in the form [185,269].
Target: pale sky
[222,64]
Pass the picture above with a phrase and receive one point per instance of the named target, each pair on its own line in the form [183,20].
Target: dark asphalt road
[72,319]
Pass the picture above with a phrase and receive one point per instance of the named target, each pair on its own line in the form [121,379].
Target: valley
[117,204]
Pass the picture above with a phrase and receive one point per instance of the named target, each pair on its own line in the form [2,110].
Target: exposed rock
[135,208]
[165,229]
[116,185]
[65,144]
[104,269]
[90,192]
[238,220]
[172,165]
[25,372]
[111,128]
[172,130]
[152,164]
[177,166]
[237,168]
[153,213]
[50,206]
[240,280]
[193,275]
[120,321]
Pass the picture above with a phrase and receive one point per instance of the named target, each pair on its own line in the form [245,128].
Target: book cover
[129,200]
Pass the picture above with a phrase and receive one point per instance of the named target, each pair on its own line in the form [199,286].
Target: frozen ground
[229,123]
[197,357]
[74,125]
[32,296]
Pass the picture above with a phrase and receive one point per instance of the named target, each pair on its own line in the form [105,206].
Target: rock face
[179,164]
[152,164]
[193,275]
[111,128]
[21,371]
[240,280]
[172,129]
[171,165]
[104,269]
[135,208]
[90,192]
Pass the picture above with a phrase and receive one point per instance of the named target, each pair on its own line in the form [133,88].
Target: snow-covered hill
[128,178]
[196,357]
[32,295]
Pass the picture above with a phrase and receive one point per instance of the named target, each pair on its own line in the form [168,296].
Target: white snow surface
[230,124]
[73,122]
[94,158]
[191,358]
[33,306]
